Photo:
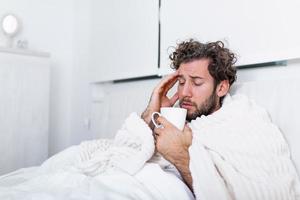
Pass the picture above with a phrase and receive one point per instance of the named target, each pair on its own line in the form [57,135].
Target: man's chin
[190,112]
[190,116]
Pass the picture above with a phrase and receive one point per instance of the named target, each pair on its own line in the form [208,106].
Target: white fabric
[132,146]
[151,182]
[237,153]
[280,98]
[100,169]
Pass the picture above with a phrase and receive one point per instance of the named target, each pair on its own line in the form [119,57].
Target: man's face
[196,89]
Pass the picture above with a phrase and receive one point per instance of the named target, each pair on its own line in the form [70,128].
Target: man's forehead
[194,69]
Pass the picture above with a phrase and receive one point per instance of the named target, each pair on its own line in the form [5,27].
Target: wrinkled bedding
[100,169]
[150,183]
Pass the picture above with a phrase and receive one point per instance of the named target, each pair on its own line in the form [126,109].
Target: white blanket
[100,169]
[237,153]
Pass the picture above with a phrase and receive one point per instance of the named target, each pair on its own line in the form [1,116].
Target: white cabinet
[124,39]
[257,30]
[24,109]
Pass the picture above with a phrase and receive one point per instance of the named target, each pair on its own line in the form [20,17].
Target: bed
[279,97]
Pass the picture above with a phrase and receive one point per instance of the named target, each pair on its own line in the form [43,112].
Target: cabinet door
[24,105]
[124,39]
[257,30]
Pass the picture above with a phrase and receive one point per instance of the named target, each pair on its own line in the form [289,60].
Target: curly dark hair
[222,60]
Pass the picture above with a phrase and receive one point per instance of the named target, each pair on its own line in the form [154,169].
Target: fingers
[163,121]
[169,77]
[168,82]
[157,131]
[163,124]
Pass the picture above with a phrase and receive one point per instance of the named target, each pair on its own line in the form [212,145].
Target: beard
[207,107]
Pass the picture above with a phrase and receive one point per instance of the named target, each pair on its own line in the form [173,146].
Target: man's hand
[170,141]
[159,97]
[173,145]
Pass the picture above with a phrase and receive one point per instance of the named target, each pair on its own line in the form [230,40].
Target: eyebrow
[193,77]
[196,77]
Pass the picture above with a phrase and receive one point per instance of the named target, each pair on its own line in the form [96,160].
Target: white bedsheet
[100,169]
[68,184]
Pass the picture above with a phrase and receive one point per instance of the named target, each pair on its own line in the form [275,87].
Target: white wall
[81,87]
[61,28]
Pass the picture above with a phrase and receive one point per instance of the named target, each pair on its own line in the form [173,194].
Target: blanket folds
[237,153]
[131,148]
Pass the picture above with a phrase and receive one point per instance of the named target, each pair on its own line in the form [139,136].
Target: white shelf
[24,52]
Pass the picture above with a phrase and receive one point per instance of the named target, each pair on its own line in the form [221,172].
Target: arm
[173,145]
[180,155]
[182,165]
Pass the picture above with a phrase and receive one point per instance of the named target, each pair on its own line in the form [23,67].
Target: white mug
[174,115]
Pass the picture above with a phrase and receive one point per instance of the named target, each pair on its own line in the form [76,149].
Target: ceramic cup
[174,115]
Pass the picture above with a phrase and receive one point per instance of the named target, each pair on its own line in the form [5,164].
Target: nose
[186,90]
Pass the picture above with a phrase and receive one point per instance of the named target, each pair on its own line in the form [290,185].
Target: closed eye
[198,84]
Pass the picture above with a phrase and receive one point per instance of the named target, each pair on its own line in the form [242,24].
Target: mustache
[186,100]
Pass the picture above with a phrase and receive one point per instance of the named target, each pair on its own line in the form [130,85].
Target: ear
[222,88]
